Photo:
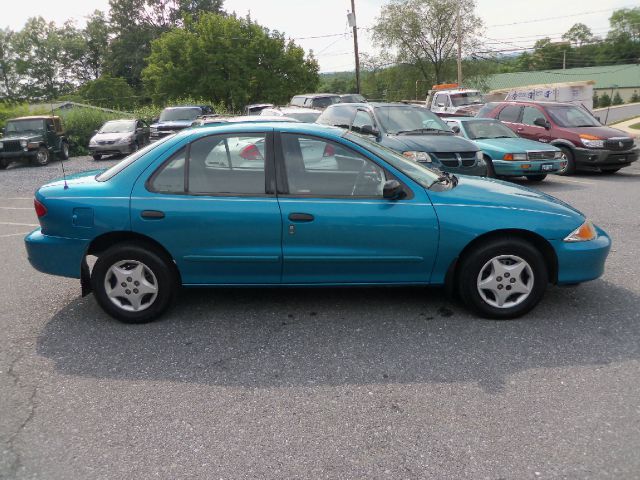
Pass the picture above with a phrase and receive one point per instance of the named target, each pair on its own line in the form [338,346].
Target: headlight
[557,155]
[515,156]
[583,233]
[418,156]
[23,143]
[591,141]
[1,145]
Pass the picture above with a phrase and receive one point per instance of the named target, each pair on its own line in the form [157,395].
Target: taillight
[41,210]
[329,150]
[251,152]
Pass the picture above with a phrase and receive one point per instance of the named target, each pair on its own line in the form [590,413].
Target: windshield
[118,126]
[180,114]
[466,98]
[19,126]
[324,102]
[416,171]
[480,129]
[408,119]
[118,167]
[571,116]
[304,117]
[355,98]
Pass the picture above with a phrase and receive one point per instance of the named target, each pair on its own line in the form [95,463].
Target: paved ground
[626,127]
[366,383]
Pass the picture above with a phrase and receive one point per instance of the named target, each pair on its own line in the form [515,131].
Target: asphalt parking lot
[337,383]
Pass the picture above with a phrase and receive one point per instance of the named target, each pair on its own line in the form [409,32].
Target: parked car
[315,100]
[34,139]
[507,154]
[174,119]
[256,108]
[163,217]
[352,98]
[413,131]
[307,115]
[586,143]
[119,137]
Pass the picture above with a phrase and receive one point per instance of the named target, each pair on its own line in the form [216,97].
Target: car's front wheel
[570,165]
[97,157]
[4,163]
[503,279]
[133,284]
[42,156]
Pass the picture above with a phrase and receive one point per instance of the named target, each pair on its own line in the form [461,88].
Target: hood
[513,145]
[22,136]
[173,124]
[601,131]
[109,137]
[428,143]
[479,191]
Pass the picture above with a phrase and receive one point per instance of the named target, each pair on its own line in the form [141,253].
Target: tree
[423,32]
[596,100]
[108,92]
[136,23]
[579,34]
[625,23]
[8,77]
[605,100]
[635,97]
[96,35]
[230,60]
[617,99]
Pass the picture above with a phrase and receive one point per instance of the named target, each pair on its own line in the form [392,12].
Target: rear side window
[170,177]
[338,116]
[510,113]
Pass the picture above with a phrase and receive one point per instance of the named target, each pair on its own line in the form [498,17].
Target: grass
[635,126]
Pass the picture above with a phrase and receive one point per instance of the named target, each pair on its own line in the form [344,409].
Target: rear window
[324,102]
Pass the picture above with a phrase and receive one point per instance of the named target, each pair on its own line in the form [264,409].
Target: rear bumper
[595,159]
[55,255]
[517,168]
[582,261]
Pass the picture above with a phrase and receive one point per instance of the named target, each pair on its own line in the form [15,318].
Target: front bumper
[582,261]
[512,168]
[55,255]
[20,154]
[113,149]
[598,159]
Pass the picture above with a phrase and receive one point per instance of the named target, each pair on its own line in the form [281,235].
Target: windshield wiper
[421,130]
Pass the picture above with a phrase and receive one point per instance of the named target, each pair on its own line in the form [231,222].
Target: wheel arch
[107,240]
[563,143]
[548,253]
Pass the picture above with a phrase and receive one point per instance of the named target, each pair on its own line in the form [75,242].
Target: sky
[509,24]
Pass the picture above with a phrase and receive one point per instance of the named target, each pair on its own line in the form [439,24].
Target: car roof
[316,95]
[466,119]
[535,102]
[294,109]
[35,117]
[221,119]
[282,126]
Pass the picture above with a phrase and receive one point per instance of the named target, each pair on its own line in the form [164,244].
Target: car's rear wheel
[503,279]
[570,167]
[64,152]
[42,156]
[536,178]
[133,284]
[97,157]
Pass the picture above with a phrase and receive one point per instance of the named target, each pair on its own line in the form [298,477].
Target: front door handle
[301,217]
[152,214]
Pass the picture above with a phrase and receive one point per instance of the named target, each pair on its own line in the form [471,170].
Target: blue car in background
[509,154]
[174,119]
[318,206]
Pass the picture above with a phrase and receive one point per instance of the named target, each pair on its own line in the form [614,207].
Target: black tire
[97,157]
[42,157]
[610,172]
[64,151]
[536,178]
[570,169]
[491,171]
[476,262]
[157,266]
[4,163]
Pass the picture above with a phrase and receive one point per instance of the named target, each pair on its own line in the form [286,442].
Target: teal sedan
[510,155]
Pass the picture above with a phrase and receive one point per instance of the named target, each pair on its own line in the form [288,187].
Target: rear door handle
[301,217]
[152,214]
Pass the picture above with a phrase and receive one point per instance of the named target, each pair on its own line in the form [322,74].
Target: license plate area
[547,167]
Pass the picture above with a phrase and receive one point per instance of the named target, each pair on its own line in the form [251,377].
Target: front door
[336,226]
[529,129]
[210,206]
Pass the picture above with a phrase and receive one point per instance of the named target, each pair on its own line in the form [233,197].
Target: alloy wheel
[505,281]
[131,285]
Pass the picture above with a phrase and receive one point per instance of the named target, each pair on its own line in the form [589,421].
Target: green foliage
[605,100]
[635,97]
[578,35]
[150,112]
[343,82]
[80,124]
[617,99]
[596,100]
[12,110]
[234,60]
[108,92]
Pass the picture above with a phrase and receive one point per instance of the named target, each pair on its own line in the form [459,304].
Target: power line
[536,20]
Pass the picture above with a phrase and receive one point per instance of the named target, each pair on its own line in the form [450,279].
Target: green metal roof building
[622,78]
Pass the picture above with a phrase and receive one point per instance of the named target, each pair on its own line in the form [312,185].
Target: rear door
[336,226]
[214,210]
[510,115]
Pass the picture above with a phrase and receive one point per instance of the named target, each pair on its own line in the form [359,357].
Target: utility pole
[564,59]
[459,28]
[353,23]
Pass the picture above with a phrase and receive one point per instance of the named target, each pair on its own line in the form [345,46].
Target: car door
[220,221]
[529,129]
[336,226]
[510,116]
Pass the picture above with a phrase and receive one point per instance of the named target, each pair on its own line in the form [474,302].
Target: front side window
[530,115]
[318,167]
[362,118]
[510,113]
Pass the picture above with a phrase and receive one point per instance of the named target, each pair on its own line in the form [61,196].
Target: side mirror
[392,190]
[456,129]
[541,122]
[369,130]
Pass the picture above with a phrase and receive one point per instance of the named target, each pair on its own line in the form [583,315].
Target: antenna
[64,175]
